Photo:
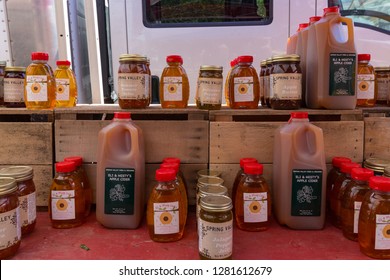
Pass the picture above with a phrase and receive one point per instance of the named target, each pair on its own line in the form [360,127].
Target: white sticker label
[133,86]
[62,89]
[382,232]
[209,90]
[63,205]
[13,90]
[255,207]
[243,89]
[357,206]
[10,231]
[36,88]
[166,217]
[286,86]
[216,239]
[28,209]
[366,86]
[173,88]
[383,89]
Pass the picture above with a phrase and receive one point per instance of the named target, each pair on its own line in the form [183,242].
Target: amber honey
[164,214]
[233,64]
[209,87]
[366,82]
[14,87]
[66,91]
[374,219]
[253,201]
[334,172]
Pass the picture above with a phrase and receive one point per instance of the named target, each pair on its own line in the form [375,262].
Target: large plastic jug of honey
[120,187]
[331,62]
[299,174]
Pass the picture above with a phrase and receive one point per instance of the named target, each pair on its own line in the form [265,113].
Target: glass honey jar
[377,165]
[215,228]
[233,64]
[383,85]
[366,92]
[208,173]
[209,87]
[134,82]
[27,195]
[374,219]
[66,91]
[333,173]
[9,218]
[14,87]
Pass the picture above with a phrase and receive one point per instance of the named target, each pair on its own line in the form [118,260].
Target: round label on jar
[166,217]
[36,88]
[63,205]
[243,89]
[173,88]
[366,86]
[62,89]
[255,207]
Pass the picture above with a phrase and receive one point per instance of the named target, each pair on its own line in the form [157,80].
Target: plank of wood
[376,137]
[26,143]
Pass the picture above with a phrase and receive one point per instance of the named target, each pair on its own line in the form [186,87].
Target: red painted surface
[277,243]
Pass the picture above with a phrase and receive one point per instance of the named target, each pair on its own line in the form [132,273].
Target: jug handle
[349,23]
[303,130]
[134,138]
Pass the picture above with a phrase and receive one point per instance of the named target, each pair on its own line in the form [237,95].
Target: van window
[192,13]
[373,14]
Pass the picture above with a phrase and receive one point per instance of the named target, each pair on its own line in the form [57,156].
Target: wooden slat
[376,137]
[230,141]
[187,140]
[26,143]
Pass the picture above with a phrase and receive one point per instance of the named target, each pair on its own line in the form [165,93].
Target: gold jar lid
[263,63]
[216,203]
[286,57]
[376,164]
[15,69]
[212,190]
[211,68]
[382,69]
[386,171]
[133,57]
[268,61]
[7,185]
[210,181]
[208,173]
[19,173]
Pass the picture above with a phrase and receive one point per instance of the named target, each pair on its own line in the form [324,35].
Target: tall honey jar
[9,218]
[215,228]
[366,82]
[14,87]
[209,87]
[133,82]
[27,195]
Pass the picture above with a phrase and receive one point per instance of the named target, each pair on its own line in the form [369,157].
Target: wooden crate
[167,133]
[27,139]
[235,134]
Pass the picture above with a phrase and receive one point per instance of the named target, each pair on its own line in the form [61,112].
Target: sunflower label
[10,228]
[243,89]
[63,206]
[210,90]
[62,90]
[173,88]
[306,192]
[382,232]
[366,86]
[133,86]
[119,191]
[36,88]
[216,239]
[255,207]
[342,73]
[166,217]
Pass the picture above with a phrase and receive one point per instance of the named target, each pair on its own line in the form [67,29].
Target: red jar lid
[39,56]
[337,161]
[380,183]
[314,19]
[65,166]
[364,57]
[76,159]
[302,26]
[175,58]
[346,167]
[122,115]
[165,175]
[244,161]
[299,115]
[171,159]
[253,168]
[233,62]
[361,174]
[245,59]
[170,165]
[334,9]
[63,63]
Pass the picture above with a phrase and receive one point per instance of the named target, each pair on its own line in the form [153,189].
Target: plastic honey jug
[120,190]
[299,174]
[331,63]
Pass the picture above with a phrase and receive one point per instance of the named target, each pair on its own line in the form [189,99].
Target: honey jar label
[166,217]
[36,88]
[366,86]
[383,88]
[215,239]
[382,232]
[243,89]
[10,231]
[27,205]
[357,206]
[63,205]
[210,91]
[13,90]
[173,88]
[286,86]
[62,89]
[342,74]
[119,191]
[255,207]
[306,192]
[133,86]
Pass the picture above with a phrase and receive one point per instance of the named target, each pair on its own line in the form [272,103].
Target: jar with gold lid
[209,88]
[133,82]
[27,194]
[2,73]
[209,181]
[383,85]
[14,87]
[215,228]
[286,82]
[9,218]
[376,164]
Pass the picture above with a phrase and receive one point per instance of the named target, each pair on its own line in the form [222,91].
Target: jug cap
[253,168]
[165,175]
[76,159]
[314,19]
[175,58]
[245,59]
[302,26]
[299,115]
[122,115]
[380,183]
[65,166]
[364,56]
[337,161]
[361,174]
[245,161]
[39,56]
[333,9]
[63,63]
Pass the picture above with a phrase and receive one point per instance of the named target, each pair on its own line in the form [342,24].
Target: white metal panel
[62,21]
[5,48]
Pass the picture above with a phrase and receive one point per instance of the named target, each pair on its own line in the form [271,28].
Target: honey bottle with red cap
[66,85]
[366,85]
